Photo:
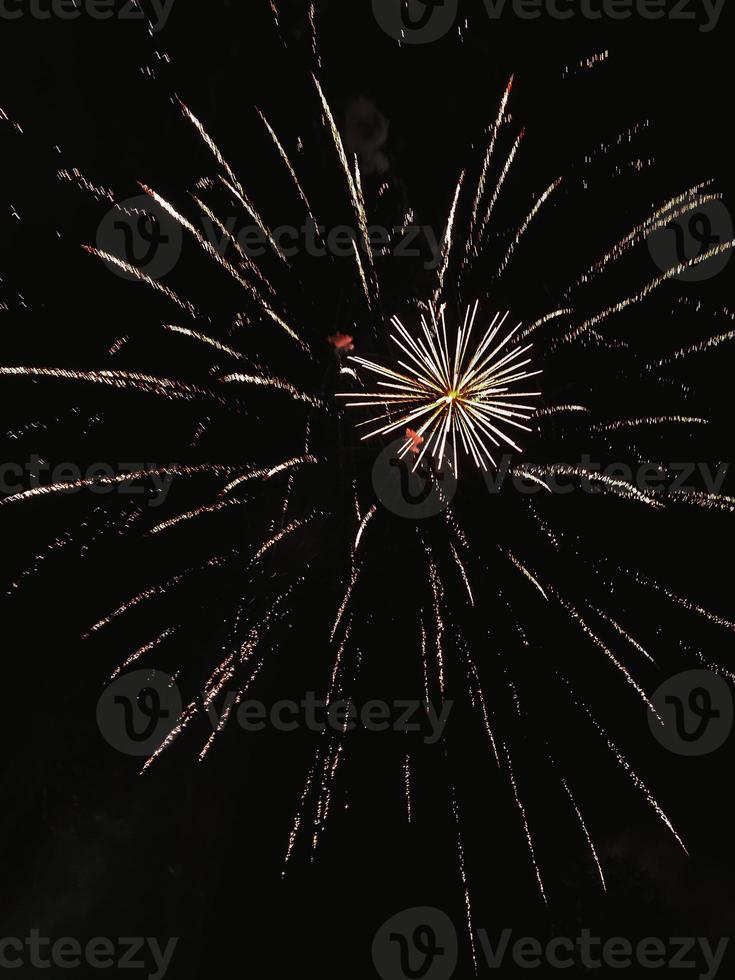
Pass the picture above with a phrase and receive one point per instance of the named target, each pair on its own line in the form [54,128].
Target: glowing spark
[202,338]
[366,520]
[637,423]
[277,383]
[464,393]
[524,818]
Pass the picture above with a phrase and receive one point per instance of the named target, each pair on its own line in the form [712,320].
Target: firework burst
[452,391]
[466,391]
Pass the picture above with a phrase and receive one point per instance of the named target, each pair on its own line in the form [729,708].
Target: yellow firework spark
[455,390]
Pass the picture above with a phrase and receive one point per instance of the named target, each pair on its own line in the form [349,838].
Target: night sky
[195,850]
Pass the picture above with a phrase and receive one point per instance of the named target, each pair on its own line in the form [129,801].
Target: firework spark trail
[642,294]
[345,602]
[253,213]
[187,715]
[586,834]
[290,168]
[314,44]
[214,149]
[361,273]
[195,512]
[75,176]
[710,665]
[365,233]
[437,591]
[204,339]
[210,250]
[268,472]
[228,237]
[480,694]
[365,521]
[641,580]
[133,270]
[146,648]
[276,383]
[526,828]
[710,501]
[448,241]
[52,488]
[698,348]
[524,571]
[619,629]
[407,784]
[623,762]
[678,600]
[293,836]
[355,193]
[547,318]
[333,686]
[499,186]
[589,632]
[328,777]
[482,182]
[558,410]
[164,387]
[289,529]
[618,487]
[424,658]
[463,872]
[463,572]
[654,222]
[158,590]
[618,424]
[526,224]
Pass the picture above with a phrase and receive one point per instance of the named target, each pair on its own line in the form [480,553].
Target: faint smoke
[366,133]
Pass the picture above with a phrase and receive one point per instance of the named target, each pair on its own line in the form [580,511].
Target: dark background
[196,850]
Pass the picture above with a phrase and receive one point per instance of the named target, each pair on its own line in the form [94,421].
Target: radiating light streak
[464,394]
